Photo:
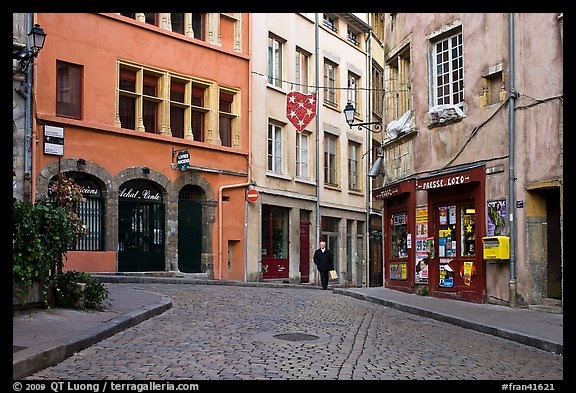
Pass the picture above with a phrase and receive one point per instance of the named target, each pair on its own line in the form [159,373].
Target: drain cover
[296,337]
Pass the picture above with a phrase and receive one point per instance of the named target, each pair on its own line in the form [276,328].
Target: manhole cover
[296,337]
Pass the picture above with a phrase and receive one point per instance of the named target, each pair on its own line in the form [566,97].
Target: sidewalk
[42,338]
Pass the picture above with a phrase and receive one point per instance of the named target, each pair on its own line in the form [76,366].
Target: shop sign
[54,140]
[140,194]
[388,192]
[183,160]
[443,182]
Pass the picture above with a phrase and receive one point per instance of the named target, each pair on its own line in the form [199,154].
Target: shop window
[274,232]
[90,211]
[399,235]
[468,230]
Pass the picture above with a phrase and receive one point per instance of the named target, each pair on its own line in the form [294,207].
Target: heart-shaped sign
[300,109]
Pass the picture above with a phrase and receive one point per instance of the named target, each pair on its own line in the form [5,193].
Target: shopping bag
[333,275]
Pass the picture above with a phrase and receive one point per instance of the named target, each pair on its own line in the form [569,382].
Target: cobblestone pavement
[218,332]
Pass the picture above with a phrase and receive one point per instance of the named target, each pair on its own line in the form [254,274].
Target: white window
[274,148]
[354,166]
[302,158]
[330,82]
[274,62]
[331,159]
[448,71]
[302,61]
[354,91]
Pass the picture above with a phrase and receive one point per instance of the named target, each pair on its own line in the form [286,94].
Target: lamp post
[26,55]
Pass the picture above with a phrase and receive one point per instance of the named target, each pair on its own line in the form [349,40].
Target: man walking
[324,261]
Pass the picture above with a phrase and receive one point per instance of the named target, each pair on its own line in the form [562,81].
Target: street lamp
[26,55]
[376,168]
[349,111]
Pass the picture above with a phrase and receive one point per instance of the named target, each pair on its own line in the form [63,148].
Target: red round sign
[252,195]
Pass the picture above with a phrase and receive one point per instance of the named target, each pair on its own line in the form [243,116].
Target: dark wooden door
[304,251]
[189,236]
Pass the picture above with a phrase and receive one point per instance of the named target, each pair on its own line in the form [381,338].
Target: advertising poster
[398,271]
[446,279]
[421,270]
[468,272]
[496,220]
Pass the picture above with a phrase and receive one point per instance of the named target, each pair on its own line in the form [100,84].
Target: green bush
[95,294]
[41,235]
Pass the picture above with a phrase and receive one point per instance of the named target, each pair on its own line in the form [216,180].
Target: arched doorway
[190,228]
[140,227]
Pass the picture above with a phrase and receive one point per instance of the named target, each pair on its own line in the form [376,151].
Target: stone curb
[31,360]
[526,339]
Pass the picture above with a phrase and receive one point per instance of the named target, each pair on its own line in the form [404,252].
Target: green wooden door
[189,236]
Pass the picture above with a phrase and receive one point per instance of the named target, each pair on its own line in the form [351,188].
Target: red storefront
[432,234]
[398,221]
[456,225]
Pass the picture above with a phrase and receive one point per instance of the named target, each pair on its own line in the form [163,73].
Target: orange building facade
[149,113]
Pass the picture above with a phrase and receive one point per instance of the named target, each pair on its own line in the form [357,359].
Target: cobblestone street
[219,332]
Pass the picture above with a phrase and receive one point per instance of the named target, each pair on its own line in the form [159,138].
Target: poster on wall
[446,278]
[467,272]
[496,221]
[398,270]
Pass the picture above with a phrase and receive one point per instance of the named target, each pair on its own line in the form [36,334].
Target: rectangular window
[354,166]
[225,121]
[353,37]
[150,105]
[177,108]
[177,21]
[302,159]
[302,61]
[198,25]
[330,159]
[163,103]
[274,148]
[378,91]
[330,82]
[197,114]
[448,71]
[274,62]
[127,101]
[68,89]
[354,91]
[330,22]
[151,18]
[398,89]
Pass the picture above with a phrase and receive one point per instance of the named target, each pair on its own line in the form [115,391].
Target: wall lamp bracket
[349,115]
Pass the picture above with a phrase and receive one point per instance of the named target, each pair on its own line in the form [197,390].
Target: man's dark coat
[324,260]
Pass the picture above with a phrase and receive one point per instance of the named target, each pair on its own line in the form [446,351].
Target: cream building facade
[311,184]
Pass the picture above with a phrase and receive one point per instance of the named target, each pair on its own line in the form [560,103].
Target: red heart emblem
[300,109]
